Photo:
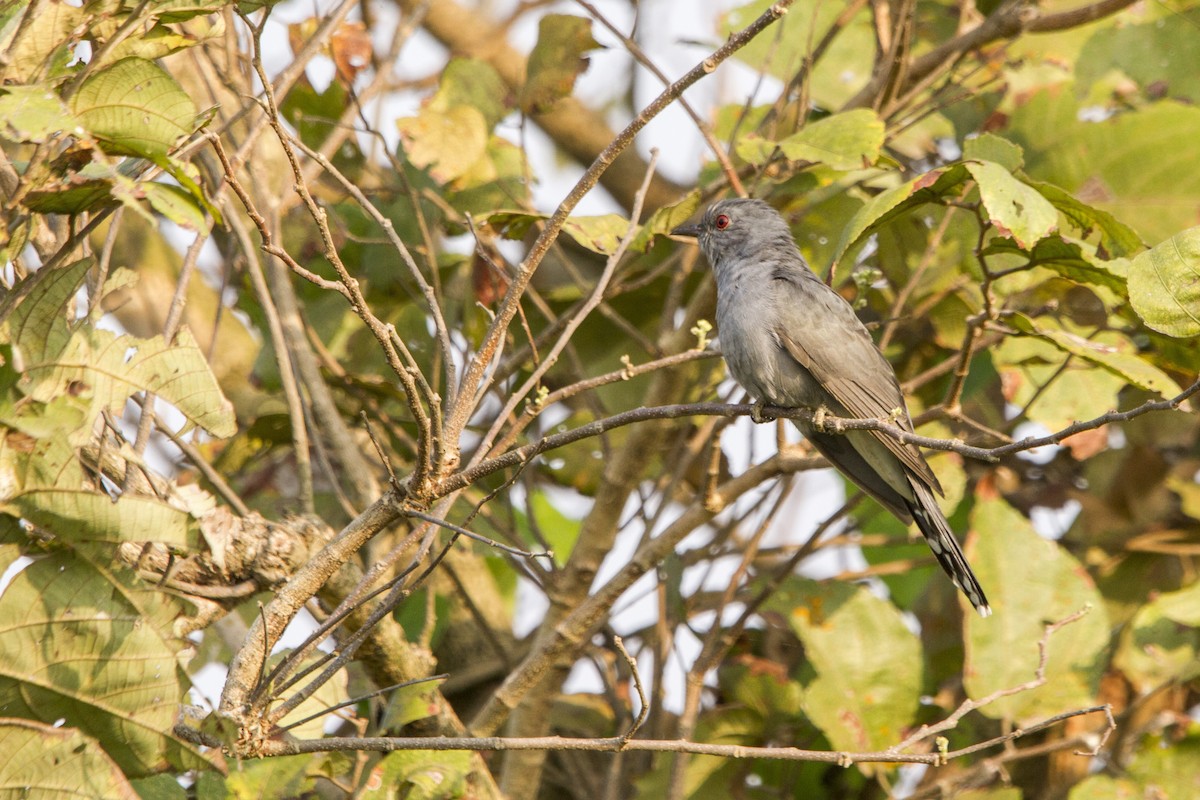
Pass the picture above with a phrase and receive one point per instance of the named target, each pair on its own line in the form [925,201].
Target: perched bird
[791,341]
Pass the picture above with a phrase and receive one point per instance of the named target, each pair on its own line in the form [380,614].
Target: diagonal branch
[473,382]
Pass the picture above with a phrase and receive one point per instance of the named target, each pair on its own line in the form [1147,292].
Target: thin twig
[577,319]
[441,523]
[969,705]
[356,700]
[637,685]
[283,354]
[383,744]
[639,55]
[474,376]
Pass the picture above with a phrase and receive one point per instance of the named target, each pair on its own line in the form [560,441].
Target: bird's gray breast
[750,309]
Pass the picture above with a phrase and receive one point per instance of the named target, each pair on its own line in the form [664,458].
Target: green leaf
[98,365]
[188,177]
[134,107]
[1031,581]
[176,204]
[1110,350]
[83,515]
[868,662]
[75,646]
[158,41]
[1189,495]
[560,531]
[1065,257]
[109,369]
[1014,208]
[556,61]
[425,774]
[45,44]
[48,761]
[183,10]
[1161,644]
[990,147]
[1034,378]
[1163,52]
[315,114]
[665,220]
[840,72]
[1164,285]
[270,779]
[409,704]
[60,416]
[33,114]
[37,325]
[887,205]
[89,189]
[494,181]
[474,83]
[601,234]
[1138,165]
[331,693]
[1164,767]
[762,687]
[1116,238]
[159,787]
[850,140]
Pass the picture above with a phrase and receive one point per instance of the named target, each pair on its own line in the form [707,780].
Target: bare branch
[620,744]
[464,404]
[830,424]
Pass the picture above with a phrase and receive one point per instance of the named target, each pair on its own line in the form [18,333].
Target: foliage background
[322,334]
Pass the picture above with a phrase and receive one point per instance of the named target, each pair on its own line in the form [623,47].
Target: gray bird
[791,341]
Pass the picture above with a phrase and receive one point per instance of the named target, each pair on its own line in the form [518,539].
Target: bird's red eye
[722,221]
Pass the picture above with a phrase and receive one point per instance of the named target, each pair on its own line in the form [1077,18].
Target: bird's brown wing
[858,377]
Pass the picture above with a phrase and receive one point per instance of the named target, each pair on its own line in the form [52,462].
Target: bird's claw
[756,414]
[818,419]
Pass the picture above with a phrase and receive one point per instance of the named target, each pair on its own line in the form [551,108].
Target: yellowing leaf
[850,140]
[135,108]
[601,234]
[49,761]
[1109,350]
[45,42]
[990,147]
[1014,207]
[1031,581]
[110,368]
[868,663]
[445,142]
[1164,285]
[1162,641]
[33,113]
[105,369]
[77,646]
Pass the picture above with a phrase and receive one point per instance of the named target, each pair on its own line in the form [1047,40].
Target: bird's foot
[818,420]
[756,413]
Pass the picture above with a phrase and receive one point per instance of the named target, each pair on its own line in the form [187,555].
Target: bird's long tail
[936,529]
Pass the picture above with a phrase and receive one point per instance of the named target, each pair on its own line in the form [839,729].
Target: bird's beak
[692,231]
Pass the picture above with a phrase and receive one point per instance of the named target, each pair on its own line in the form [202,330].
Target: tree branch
[465,404]
[830,424]
[384,744]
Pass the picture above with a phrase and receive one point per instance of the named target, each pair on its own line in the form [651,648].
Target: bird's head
[738,228]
